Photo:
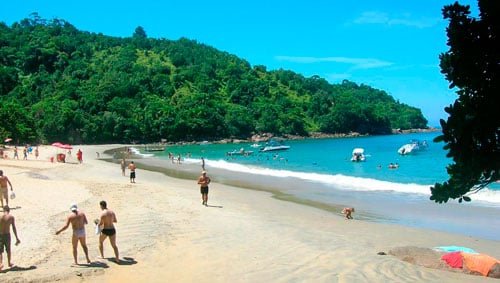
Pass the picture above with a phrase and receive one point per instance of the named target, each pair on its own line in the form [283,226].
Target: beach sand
[164,234]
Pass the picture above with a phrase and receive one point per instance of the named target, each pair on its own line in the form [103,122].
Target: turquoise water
[323,172]
[327,161]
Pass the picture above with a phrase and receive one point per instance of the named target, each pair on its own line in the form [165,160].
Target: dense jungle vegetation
[60,83]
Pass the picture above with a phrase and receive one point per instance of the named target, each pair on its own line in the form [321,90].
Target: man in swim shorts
[132,168]
[78,220]
[6,221]
[108,218]
[4,192]
[348,212]
[203,181]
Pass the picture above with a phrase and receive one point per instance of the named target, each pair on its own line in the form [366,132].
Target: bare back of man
[107,220]
[78,220]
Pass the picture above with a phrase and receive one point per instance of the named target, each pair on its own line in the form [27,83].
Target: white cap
[73,207]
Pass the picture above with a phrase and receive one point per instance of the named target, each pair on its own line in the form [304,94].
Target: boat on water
[412,147]
[274,146]
[358,155]
[255,145]
[154,147]
[241,151]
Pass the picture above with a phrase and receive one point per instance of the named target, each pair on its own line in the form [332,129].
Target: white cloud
[358,63]
[375,17]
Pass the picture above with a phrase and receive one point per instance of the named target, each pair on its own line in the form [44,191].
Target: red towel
[453,259]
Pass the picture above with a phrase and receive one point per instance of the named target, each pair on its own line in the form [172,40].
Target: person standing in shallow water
[123,165]
[203,181]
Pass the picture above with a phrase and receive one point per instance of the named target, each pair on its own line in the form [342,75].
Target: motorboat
[358,155]
[241,151]
[411,147]
[255,145]
[274,146]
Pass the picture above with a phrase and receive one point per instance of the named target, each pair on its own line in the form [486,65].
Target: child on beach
[348,212]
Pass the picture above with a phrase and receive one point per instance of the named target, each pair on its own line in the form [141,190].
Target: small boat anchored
[358,155]
[241,151]
[274,146]
[414,146]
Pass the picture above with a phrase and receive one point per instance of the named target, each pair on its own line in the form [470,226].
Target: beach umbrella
[66,146]
[8,140]
[57,144]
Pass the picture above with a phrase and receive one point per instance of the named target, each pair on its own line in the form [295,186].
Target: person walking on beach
[16,155]
[203,181]
[37,153]
[79,156]
[123,165]
[202,163]
[106,223]
[6,221]
[78,220]
[4,191]
[132,168]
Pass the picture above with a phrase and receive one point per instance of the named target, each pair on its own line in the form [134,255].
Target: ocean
[325,173]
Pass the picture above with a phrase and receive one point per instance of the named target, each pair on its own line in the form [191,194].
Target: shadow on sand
[123,261]
[18,268]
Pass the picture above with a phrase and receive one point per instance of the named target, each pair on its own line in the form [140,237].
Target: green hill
[59,83]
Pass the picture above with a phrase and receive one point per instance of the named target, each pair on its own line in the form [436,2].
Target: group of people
[105,229]
[77,219]
[15,155]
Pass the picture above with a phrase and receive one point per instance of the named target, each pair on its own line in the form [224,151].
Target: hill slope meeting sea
[63,84]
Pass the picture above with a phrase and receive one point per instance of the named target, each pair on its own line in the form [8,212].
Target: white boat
[414,146]
[255,145]
[241,151]
[274,146]
[407,148]
[358,155]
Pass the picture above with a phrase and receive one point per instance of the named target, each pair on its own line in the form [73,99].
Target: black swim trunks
[4,242]
[132,175]
[108,231]
[204,190]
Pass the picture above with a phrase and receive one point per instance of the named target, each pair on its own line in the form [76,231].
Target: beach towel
[481,263]
[453,259]
[455,249]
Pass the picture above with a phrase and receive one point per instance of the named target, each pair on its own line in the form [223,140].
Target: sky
[387,44]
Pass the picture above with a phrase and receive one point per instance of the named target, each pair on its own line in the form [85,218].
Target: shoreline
[412,211]
[165,234]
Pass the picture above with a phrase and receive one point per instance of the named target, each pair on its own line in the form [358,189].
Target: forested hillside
[59,83]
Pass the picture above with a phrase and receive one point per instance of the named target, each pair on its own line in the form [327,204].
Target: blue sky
[388,44]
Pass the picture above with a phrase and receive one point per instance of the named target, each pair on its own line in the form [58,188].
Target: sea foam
[342,182]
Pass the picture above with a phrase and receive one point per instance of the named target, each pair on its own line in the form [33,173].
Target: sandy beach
[164,234]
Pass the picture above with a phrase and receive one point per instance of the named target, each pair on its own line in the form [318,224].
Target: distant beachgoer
[203,164]
[132,168]
[79,156]
[97,154]
[348,212]
[78,220]
[123,165]
[16,155]
[37,153]
[203,181]
[6,221]
[106,223]
[179,159]
[4,180]
[25,153]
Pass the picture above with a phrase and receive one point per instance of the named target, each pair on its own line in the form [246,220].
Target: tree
[472,130]
[139,33]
